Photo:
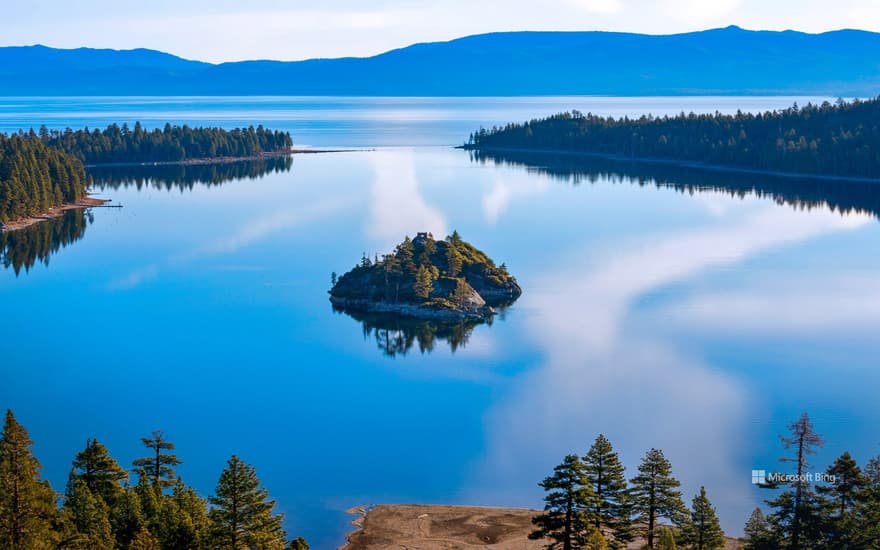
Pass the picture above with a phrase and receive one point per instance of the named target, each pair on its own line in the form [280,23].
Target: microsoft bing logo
[759,477]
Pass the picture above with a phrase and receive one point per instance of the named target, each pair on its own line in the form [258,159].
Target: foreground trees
[566,517]
[100,510]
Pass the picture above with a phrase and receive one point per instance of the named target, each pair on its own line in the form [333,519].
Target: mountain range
[726,61]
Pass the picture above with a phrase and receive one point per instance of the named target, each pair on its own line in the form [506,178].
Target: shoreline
[51,214]
[222,160]
[673,162]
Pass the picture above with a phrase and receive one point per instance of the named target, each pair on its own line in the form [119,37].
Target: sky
[232,30]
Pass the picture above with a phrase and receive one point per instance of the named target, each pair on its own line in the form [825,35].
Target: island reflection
[23,248]
[838,195]
[397,335]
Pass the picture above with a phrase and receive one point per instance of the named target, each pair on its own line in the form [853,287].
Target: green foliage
[840,139]
[665,539]
[655,495]
[596,541]
[27,507]
[100,473]
[424,271]
[117,144]
[568,504]
[89,515]
[606,477]
[159,466]
[242,515]
[144,540]
[35,177]
[758,535]
[703,531]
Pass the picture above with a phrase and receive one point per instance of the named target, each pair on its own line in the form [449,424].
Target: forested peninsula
[427,278]
[35,178]
[123,145]
[839,139]
[43,172]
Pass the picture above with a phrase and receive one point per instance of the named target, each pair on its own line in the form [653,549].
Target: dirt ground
[428,527]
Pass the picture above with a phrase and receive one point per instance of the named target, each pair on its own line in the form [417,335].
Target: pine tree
[89,515]
[453,260]
[99,471]
[27,506]
[298,543]
[159,467]
[566,518]
[607,479]
[654,494]
[144,540]
[242,515]
[793,510]
[127,517]
[424,283]
[703,531]
[872,472]
[847,494]
[666,539]
[596,541]
[757,532]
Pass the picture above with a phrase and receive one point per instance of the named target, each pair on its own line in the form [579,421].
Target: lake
[696,312]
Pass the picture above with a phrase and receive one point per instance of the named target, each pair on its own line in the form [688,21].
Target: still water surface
[696,316]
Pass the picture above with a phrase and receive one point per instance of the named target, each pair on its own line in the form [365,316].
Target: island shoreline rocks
[424,278]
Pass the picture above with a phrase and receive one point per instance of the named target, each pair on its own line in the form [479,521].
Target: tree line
[172,143]
[102,509]
[841,138]
[35,177]
[591,505]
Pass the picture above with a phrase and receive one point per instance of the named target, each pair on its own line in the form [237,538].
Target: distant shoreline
[221,160]
[673,162]
[51,214]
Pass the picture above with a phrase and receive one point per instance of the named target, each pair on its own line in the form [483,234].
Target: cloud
[598,6]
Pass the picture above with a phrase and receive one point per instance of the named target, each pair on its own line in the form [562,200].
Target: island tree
[758,535]
[655,495]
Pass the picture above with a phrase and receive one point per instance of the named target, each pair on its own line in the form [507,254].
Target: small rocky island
[428,279]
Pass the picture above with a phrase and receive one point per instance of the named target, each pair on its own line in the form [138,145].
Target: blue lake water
[697,318]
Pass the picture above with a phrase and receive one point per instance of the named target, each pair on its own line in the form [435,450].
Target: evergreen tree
[27,507]
[159,467]
[703,531]
[424,283]
[242,515]
[795,509]
[596,541]
[654,494]
[453,261]
[872,472]
[847,493]
[99,471]
[607,479]
[666,539]
[298,543]
[89,515]
[144,540]
[567,517]
[757,532]
[127,517]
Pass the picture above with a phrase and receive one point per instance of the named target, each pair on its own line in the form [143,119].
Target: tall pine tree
[606,477]
[159,466]
[242,515]
[655,495]
[27,503]
[99,471]
[567,511]
[703,531]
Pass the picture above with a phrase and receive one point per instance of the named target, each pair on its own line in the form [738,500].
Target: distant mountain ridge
[726,61]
